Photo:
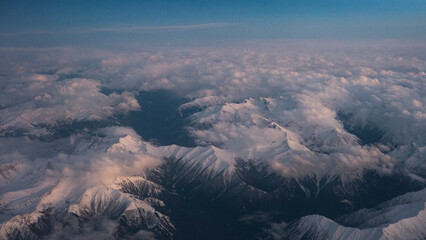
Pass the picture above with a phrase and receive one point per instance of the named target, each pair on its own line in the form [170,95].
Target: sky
[55,23]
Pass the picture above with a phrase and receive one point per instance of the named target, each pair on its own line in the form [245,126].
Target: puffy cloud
[77,99]
[297,139]
[371,86]
[66,167]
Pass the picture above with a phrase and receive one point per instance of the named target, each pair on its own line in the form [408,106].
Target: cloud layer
[312,97]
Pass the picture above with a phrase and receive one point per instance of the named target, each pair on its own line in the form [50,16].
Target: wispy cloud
[138,28]
[120,29]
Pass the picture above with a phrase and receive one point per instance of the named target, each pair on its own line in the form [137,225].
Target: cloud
[262,100]
[66,168]
[50,102]
[120,29]
[156,28]
[309,94]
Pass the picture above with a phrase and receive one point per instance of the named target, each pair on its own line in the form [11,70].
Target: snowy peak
[138,186]
[128,144]
[390,220]
[104,201]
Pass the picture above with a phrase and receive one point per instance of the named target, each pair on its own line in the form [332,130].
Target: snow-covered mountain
[165,177]
[403,217]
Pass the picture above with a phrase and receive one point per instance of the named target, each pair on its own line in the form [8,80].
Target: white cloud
[306,89]
[76,99]
[120,29]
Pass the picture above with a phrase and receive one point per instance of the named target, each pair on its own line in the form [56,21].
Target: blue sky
[74,21]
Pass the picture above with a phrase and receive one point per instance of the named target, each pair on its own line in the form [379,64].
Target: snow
[403,217]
